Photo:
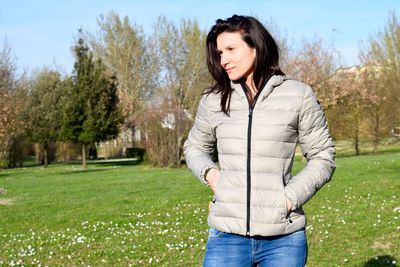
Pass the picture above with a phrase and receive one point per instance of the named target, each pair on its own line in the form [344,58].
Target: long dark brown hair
[256,36]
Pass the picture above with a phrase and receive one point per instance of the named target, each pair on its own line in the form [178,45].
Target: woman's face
[237,57]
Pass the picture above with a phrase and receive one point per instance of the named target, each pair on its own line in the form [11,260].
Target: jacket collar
[273,82]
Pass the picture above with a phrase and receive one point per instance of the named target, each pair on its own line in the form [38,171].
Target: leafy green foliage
[91,111]
[45,109]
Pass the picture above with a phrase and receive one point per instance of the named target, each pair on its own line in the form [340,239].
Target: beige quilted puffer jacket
[256,146]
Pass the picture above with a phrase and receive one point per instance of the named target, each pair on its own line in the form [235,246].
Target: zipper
[248,169]
[249,128]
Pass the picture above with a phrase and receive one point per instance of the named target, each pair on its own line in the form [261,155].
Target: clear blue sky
[42,32]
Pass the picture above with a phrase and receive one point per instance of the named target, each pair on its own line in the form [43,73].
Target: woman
[255,115]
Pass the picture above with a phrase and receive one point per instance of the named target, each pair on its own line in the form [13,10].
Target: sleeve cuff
[204,171]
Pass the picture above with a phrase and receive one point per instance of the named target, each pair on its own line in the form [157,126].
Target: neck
[251,86]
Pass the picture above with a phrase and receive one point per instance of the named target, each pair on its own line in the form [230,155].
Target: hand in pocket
[212,178]
[289,205]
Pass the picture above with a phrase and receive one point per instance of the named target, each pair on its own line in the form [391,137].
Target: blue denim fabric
[224,249]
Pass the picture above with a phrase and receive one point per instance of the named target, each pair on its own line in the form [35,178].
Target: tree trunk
[10,156]
[106,146]
[46,159]
[37,153]
[376,131]
[179,150]
[124,141]
[356,143]
[84,163]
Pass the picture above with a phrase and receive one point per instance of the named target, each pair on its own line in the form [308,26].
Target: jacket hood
[273,82]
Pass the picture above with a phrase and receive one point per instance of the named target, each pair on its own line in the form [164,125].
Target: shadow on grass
[2,175]
[115,162]
[385,260]
[99,162]
[67,172]
[367,153]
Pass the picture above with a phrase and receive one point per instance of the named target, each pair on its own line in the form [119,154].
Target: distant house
[395,131]
[116,147]
[170,120]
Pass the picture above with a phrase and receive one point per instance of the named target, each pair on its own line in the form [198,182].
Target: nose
[224,59]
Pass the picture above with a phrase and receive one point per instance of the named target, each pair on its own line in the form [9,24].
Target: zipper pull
[250,112]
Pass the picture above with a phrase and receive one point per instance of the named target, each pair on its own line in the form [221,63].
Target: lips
[229,70]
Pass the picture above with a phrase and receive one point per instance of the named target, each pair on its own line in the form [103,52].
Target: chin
[237,79]
[234,77]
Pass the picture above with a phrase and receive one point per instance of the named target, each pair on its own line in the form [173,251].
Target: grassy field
[126,215]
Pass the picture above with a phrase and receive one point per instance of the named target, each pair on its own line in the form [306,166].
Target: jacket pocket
[217,195]
[284,210]
[294,214]
[217,187]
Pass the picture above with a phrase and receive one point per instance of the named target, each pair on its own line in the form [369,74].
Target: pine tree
[91,111]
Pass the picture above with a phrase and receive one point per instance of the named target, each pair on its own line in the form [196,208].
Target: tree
[383,52]
[7,69]
[12,106]
[357,103]
[7,84]
[182,79]
[314,64]
[91,111]
[378,117]
[285,47]
[45,109]
[123,48]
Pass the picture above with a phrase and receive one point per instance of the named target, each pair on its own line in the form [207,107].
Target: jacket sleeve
[200,143]
[317,147]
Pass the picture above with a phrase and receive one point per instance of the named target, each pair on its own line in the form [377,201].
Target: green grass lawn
[127,215]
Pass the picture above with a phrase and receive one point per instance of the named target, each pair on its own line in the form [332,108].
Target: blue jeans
[233,250]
